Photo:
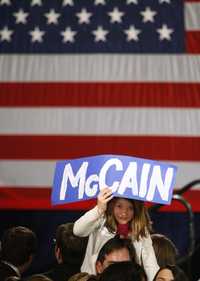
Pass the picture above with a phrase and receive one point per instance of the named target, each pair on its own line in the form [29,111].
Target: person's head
[123,271]
[165,250]
[114,250]
[38,277]
[170,273]
[69,248]
[122,210]
[18,247]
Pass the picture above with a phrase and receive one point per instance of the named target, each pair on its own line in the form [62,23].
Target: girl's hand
[105,195]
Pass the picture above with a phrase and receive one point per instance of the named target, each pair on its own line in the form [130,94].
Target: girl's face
[165,275]
[123,211]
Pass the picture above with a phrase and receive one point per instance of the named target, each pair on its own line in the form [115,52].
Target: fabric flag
[89,77]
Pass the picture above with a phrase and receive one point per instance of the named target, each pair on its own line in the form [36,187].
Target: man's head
[114,250]
[69,248]
[123,271]
[18,247]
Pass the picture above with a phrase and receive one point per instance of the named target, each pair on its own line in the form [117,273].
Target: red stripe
[30,198]
[100,94]
[192,42]
[192,197]
[66,147]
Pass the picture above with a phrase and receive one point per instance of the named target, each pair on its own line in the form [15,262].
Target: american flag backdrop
[86,77]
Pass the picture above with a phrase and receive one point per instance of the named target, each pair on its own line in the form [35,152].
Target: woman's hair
[165,250]
[178,273]
[140,223]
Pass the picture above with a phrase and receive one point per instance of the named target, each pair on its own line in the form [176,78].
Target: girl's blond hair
[140,224]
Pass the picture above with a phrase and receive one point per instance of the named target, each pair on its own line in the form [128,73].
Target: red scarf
[123,230]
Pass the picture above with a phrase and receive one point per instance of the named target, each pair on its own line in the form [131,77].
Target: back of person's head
[39,277]
[140,222]
[165,250]
[69,248]
[18,245]
[123,271]
[115,244]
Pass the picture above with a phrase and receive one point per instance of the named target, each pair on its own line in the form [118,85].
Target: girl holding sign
[117,216]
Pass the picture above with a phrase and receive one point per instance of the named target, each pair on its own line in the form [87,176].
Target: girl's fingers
[107,191]
[108,199]
[108,195]
[105,195]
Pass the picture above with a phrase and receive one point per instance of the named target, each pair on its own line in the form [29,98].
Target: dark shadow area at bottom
[44,224]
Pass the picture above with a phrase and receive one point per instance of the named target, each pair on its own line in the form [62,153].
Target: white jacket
[92,224]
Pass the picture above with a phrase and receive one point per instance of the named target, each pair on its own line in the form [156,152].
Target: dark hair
[141,221]
[18,244]
[71,246]
[83,276]
[165,250]
[12,278]
[38,277]
[116,243]
[178,273]
[123,271]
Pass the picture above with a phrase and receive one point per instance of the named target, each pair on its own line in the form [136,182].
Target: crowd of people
[111,242]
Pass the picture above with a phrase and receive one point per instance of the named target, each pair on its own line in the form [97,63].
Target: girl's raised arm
[93,218]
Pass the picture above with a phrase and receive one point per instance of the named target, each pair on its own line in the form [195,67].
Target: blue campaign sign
[129,177]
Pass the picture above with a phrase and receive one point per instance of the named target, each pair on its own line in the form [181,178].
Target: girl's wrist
[100,210]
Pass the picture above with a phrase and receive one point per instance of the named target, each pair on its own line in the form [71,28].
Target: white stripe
[192,19]
[100,121]
[162,68]
[40,173]
[26,173]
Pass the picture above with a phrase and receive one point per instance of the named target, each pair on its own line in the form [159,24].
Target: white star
[36,2]
[100,34]
[132,33]
[36,35]
[5,2]
[68,2]
[148,15]
[68,35]
[52,17]
[116,15]
[99,2]
[84,16]
[164,1]
[165,32]
[5,34]
[21,16]
[131,2]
